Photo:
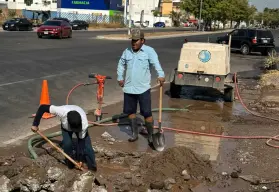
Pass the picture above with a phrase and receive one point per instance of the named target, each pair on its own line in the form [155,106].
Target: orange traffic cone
[45,100]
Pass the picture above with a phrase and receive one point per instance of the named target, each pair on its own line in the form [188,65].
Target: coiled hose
[38,138]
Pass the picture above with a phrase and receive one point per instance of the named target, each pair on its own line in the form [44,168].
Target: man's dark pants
[131,101]
[84,149]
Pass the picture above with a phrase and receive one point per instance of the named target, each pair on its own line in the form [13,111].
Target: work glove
[34,128]
[161,80]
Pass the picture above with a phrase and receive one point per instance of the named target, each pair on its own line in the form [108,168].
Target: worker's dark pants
[84,149]
[131,101]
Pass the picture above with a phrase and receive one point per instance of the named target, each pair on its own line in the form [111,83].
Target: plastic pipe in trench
[102,122]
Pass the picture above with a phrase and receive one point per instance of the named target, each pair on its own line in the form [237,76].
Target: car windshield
[53,23]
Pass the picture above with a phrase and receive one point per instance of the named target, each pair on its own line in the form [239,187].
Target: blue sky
[261,4]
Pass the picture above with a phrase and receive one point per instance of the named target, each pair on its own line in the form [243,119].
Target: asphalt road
[27,60]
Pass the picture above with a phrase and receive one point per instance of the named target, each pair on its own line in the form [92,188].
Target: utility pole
[200,15]
[130,17]
[125,12]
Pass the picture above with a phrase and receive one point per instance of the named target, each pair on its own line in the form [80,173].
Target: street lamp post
[200,15]
[130,17]
[125,12]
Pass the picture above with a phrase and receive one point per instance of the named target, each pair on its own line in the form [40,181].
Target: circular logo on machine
[204,56]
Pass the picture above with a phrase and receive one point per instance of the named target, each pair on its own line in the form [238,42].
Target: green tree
[209,10]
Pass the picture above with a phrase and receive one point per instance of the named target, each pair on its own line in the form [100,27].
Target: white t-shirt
[61,111]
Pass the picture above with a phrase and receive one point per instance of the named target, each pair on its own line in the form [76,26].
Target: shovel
[78,165]
[159,138]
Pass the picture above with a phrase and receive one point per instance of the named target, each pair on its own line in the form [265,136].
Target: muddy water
[208,113]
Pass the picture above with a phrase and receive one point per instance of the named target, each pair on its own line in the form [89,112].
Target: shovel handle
[61,151]
[160,106]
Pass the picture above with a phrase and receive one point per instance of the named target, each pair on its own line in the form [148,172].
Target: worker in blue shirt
[137,61]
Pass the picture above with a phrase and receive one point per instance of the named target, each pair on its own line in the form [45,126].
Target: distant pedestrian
[136,84]
[73,120]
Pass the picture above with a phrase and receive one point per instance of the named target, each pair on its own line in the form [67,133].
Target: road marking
[23,81]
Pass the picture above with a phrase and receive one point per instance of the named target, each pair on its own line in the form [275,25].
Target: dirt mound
[172,162]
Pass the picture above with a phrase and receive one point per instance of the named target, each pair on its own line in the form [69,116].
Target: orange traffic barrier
[45,100]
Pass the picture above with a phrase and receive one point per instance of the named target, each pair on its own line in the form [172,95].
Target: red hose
[270,138]
[70,92]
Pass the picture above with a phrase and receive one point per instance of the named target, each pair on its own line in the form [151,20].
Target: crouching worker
[73,120]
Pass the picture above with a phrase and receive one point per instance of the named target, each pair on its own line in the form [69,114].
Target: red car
[55,28]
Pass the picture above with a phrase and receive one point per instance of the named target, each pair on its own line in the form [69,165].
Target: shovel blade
[159,141]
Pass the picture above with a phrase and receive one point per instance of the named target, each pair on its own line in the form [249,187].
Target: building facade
[71,9]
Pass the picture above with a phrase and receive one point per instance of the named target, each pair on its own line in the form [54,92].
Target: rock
[99,189]
[157,185]
[136,181]
[211,178]
[32,184]
[168,183]
[100,180]
[234,175]
[84,184]
[153,190]
[134,168]
[5,184]
[205,157]
[224,173]
[24,189]
[43,190]
[127,175]
[185,175]
[46,186]
[109,154]
[55,174]
[184,172]
[106,136]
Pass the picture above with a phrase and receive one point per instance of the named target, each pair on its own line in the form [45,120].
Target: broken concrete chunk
[55,174]
[99,189]
[107,137]
[32,184]
[168,183]
[5,184]
[84,184]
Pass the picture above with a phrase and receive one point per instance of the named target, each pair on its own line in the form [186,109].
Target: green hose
[38,139]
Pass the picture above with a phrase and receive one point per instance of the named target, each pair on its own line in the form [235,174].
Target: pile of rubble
[176,168]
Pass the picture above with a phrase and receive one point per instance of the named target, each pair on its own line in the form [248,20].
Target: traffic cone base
[45,100]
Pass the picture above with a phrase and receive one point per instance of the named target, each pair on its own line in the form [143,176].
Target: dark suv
[18,24]
[250,40]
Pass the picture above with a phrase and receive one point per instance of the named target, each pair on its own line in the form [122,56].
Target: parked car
[55,28]
[61,19]
[18,24]
[159,24]
[79,24]
[250,40]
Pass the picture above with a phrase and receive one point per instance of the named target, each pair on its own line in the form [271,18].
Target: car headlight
[12,25]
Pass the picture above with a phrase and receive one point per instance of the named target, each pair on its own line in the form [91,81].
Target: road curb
[104,37]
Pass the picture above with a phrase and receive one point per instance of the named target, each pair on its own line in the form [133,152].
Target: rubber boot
[135,131]
[150,128]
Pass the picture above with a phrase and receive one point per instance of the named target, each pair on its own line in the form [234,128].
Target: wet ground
[206,164]
[191,162]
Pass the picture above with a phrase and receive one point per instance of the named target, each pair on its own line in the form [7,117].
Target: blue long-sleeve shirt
[137,64]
